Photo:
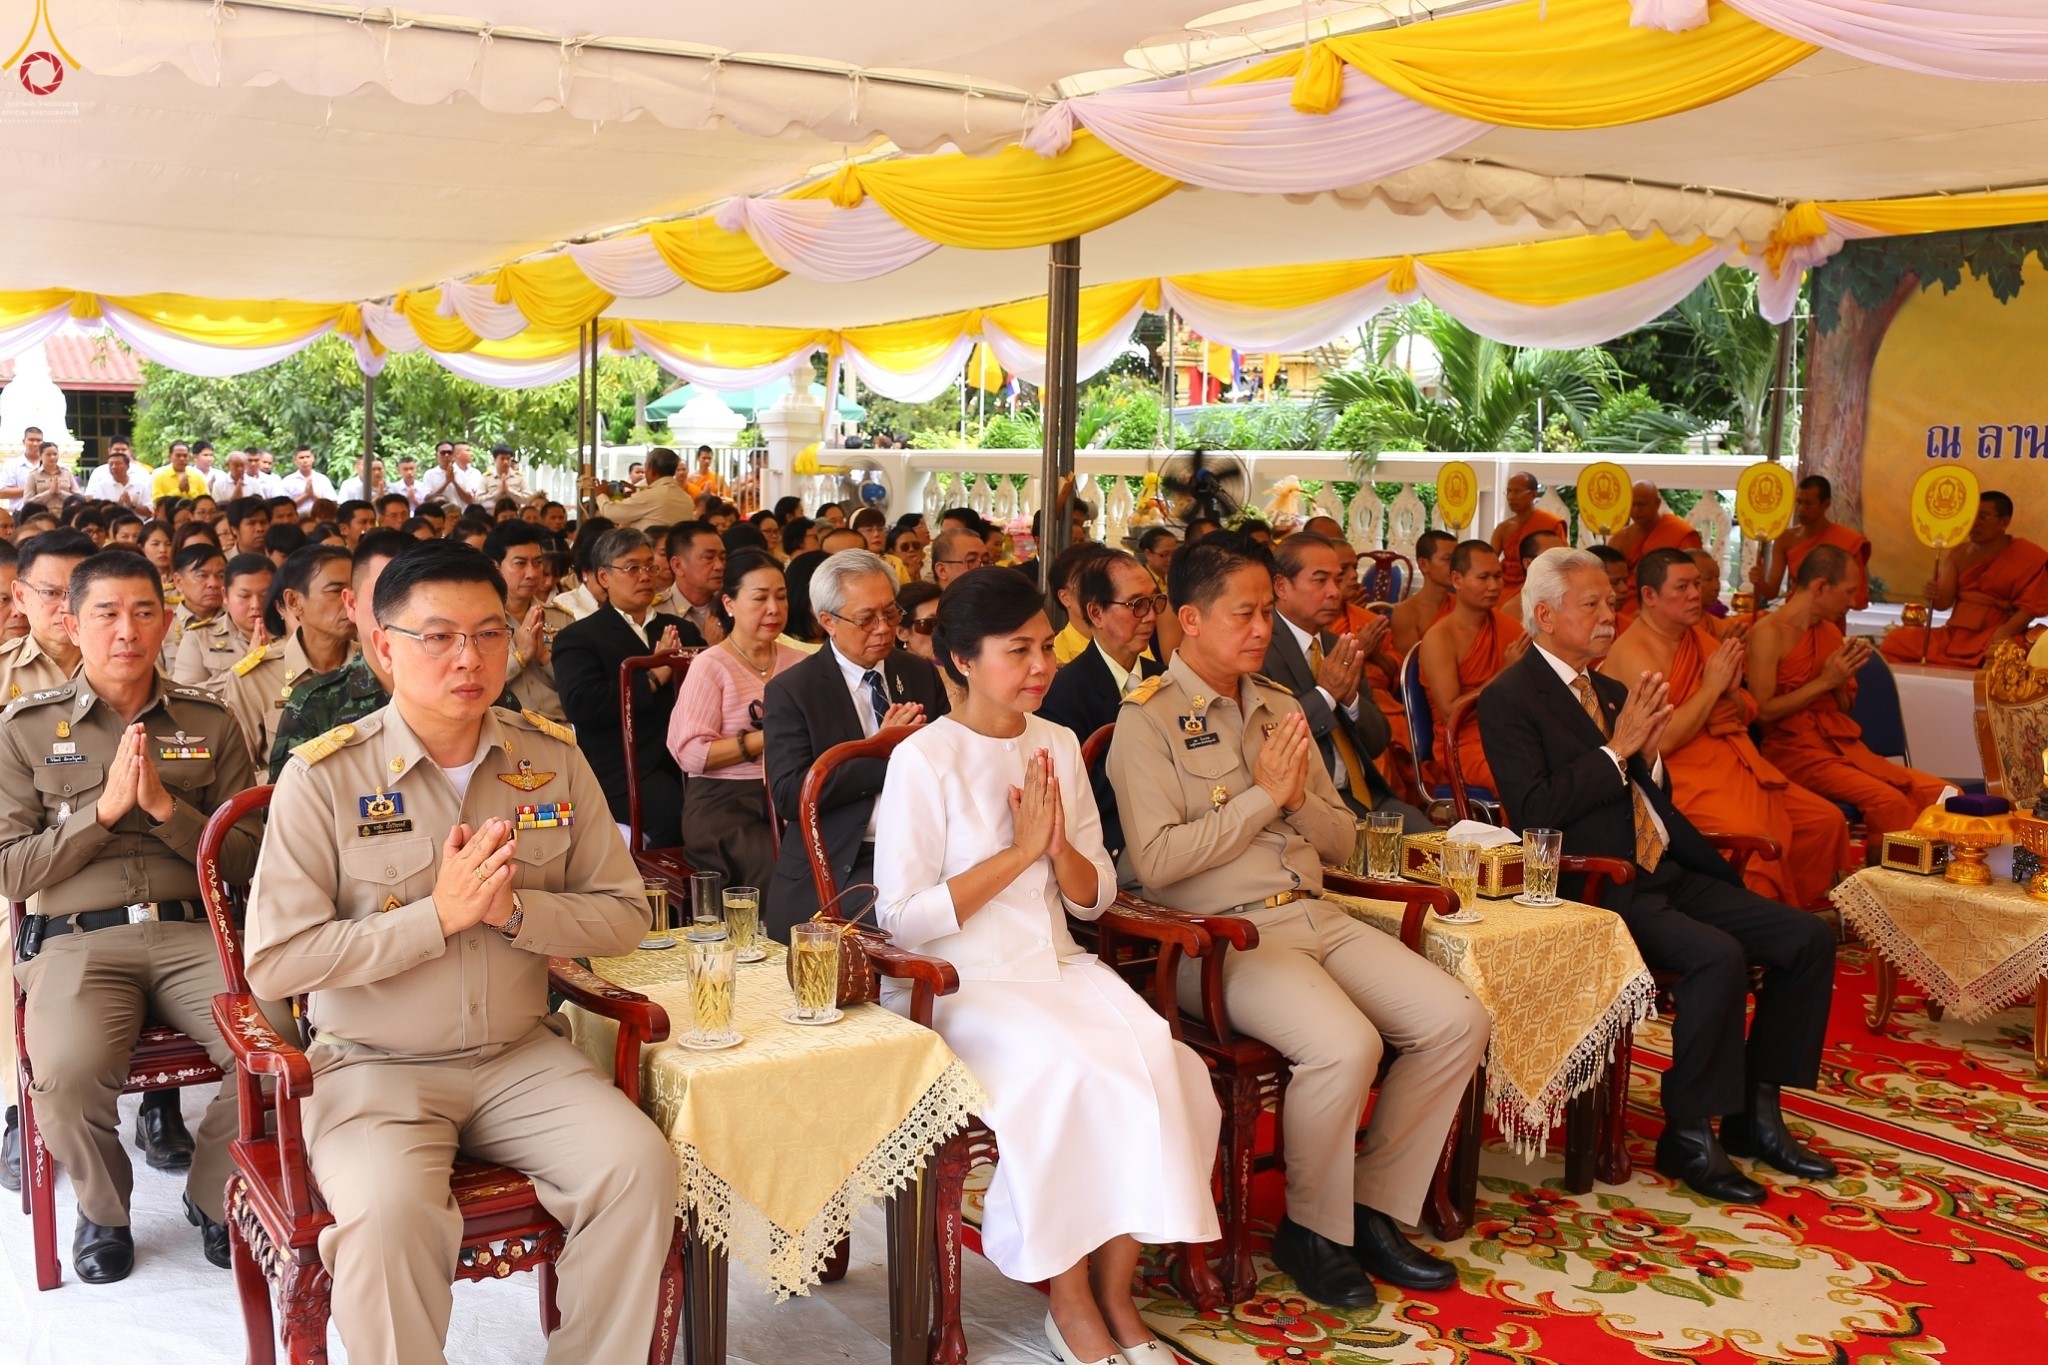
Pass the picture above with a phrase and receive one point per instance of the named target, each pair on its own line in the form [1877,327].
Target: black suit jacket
[1084,698]
[587,658]
[1545,752]
[808,710]
[1288,666]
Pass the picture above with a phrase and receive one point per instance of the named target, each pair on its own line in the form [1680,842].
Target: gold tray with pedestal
[1969,837]
[2031,833]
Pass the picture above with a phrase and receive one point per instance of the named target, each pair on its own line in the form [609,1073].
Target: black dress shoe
[101,1255]
[160,1132]
[1385,1252]
[1761,1133]
[10,1152]
[213,1237]
[1325,1271]
[1690,1154]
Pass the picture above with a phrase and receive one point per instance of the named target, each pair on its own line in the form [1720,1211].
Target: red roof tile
[78,362]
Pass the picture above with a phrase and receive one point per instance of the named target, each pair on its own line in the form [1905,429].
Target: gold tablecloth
[1974,949]
[1561,982]
[782,1139]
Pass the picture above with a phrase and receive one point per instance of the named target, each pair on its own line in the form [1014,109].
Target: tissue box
[1500,869]
[1913,853]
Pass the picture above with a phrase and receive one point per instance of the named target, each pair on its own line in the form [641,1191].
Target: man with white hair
[857,684]
[1580,752]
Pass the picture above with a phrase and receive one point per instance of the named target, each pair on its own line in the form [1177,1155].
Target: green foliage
[947,438]
[1005,432]
[315,398]
[1279,424]
[941,414]
[1630,421]
[1870,271]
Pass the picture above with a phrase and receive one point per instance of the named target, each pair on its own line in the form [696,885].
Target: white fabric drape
[1028,360]
[911,386]
[1259,329]
[721,378]
[813,239]
[1978,40]
[1565,326]
[506,374]
[1777,287]
[626,267]
[480,311]
[23,336]
[192,357]
[1250,139]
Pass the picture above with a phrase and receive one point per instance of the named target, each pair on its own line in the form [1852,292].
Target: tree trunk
[1838,397]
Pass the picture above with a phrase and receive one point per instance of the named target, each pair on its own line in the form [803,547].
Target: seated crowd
[415,665]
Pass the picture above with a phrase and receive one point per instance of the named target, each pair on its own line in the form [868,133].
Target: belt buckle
[142,912]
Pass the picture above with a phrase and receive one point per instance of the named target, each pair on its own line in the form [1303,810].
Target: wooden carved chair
[1386,575]
[164,1059]
[660,864]
[274,1211]
[2012,723]
[1173,937]
[1467,802]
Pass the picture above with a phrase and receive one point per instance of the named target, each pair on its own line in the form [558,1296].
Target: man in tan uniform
[211,647]
[1226,810]
[199,577]
[105,783]
[422,864]
[663,502]
[520,554]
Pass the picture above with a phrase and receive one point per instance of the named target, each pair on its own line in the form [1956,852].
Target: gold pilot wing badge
[182,745]
[526,779]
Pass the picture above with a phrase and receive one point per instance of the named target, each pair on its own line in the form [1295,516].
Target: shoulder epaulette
[1142,693]
[28,699]
[327,745]
[200,694]
[1264,681]
[248,661]
[552,729]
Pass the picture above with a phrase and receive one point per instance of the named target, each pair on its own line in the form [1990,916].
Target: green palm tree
[1730,334]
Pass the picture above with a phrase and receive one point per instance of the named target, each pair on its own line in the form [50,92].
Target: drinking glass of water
[1541,850]
[1383,845]
[743,921]
[1461,872]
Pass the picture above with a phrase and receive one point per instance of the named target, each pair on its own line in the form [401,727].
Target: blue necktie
[877,698]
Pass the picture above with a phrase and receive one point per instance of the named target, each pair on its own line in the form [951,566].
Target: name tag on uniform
[1202,741]
[384,827]
[65,758]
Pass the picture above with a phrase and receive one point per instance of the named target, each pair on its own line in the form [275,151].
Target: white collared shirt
[1303,640]
[639,627]
[1124,676]
[1570,676]
[857,684]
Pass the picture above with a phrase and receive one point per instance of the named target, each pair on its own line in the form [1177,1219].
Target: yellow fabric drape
[1015,198]
[1284,286]
[553,292]
[1940,213]
[710,258]
[1102,307]
[25,305]
[1545,64]
[234,323]
[914,344]
[733,346]
[1545,274]
[435,332]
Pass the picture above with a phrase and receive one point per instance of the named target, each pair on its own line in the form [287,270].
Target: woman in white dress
[986,837]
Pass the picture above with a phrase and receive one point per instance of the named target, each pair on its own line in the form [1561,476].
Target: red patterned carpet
[1933,1244]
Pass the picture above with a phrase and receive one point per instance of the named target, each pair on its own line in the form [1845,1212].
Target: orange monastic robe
[1852,543]
[1822,749]
[1513,571]
[1724,785]
[1479,667]
[1672,532]
[1397,763]
[2014,579]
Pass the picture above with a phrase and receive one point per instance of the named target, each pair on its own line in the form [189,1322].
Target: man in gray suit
[1325,673]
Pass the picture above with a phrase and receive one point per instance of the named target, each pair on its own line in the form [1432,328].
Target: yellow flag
[982,371]
[1270,367]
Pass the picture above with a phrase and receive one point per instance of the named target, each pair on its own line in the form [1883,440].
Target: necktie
[1649,843]
[877,698]
[1347,752]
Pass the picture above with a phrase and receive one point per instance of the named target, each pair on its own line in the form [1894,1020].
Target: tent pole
[1172,384]
[1781,382]
[586,466]
[1056,409]
[369,435]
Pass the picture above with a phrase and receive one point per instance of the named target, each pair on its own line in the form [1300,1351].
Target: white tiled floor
[176,1309]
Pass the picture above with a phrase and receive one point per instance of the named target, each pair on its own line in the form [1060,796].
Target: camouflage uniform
[321,701]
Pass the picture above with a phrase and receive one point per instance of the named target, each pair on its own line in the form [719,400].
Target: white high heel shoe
[1151,1353]
[1066,1357]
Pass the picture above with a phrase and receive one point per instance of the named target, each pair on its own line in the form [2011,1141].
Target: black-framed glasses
[490,642]
[1151,605]
[886,616]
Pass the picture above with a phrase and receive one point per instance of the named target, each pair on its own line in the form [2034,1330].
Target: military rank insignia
[390,903]
[527,780]
[182,745]
[546,815]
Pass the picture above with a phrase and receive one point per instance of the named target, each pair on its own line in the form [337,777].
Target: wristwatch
[510,928]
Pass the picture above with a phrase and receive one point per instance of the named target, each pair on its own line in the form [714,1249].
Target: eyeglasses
[971,561]
[886,618]
[923,625]
[490,642]
[643,569]
[47,594]
[1144,606]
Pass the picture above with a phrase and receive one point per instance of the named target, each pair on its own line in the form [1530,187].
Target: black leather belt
[85,921]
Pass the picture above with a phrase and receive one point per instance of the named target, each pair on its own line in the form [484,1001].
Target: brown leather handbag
[858,982]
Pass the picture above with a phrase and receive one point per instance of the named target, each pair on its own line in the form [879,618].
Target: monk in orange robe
[1396,763]
[1621,585]
[1996,583]
[1525,519]
[1652,526]
[1718,777]
[1779,564]
[1533,544]
[1805,672]
[1462,653]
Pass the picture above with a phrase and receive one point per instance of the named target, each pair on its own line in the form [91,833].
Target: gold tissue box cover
[1500,869]
[1913,853]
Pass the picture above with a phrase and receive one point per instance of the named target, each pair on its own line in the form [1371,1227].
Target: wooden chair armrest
[259,1051]
[1225,933]
[1418,898]
[1598,871]
[1179,936]
[640,1020]
[929,977]
[258,1048]
[1740,848]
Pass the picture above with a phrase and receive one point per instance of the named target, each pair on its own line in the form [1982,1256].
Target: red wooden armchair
[275,1214]
[660,864]
[1174,937]
[1390,577]
[164,1059]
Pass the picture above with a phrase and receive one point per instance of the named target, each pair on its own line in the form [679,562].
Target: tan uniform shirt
[534,683]
[55,747]
[664,504]
[207,651]
[343,902]
[25,668]
[1200,833]
[257,686]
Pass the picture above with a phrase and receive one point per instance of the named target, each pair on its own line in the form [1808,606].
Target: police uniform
[259,683]
[24,668]
[124,936]
[1327,991]
[425,1044]
[182,620]
[533,682]
[207,650]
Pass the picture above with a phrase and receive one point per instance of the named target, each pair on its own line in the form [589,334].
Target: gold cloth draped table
[1975,950]
[781,1140]
[1565,987]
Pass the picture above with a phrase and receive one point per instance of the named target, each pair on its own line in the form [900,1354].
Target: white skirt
[1105,1124]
